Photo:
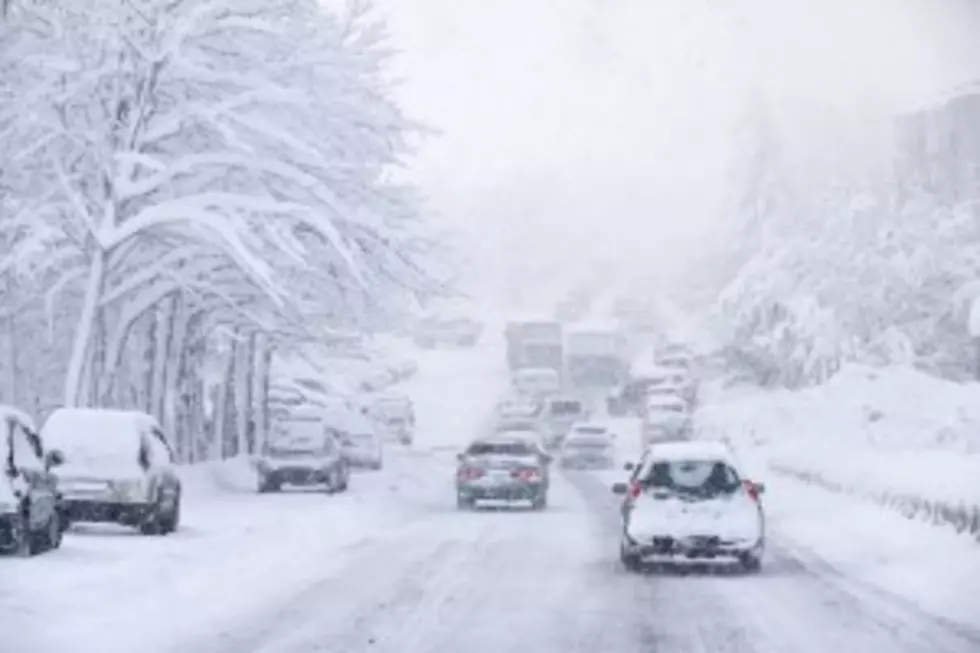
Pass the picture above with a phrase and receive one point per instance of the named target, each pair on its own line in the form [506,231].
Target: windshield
[702,478]
[565,408]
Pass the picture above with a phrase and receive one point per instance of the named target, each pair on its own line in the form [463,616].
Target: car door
[39,483]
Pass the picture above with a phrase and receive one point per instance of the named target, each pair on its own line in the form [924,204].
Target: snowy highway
[393,567]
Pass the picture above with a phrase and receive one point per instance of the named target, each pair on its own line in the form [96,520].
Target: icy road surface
[392,567]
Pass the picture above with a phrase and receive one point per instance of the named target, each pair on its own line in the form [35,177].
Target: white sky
[584,132]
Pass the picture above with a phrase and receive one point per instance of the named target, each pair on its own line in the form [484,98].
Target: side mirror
[547,458]
[54,458]
[461,457]
[620,488]
[629,467]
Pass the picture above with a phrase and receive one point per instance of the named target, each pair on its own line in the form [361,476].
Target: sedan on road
[305,452]
[501,468]
[588,446]
[688,502]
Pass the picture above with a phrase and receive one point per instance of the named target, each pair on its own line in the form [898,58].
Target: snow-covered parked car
[506,467]
[118,468]
[588,446]
[304,451]
[361,443]
[30,521]
[518,407]
[394,414]
[690,501]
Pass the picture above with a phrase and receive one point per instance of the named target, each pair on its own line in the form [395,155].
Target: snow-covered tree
[181,170]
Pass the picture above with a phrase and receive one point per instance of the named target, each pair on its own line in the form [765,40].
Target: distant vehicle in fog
[434,332]
[665,418]
[588,446]
[536,382]
[534,343]
[558,415]
[596,355]
[394,415]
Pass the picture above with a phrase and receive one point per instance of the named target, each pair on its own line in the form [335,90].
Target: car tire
[631,562]
[344,479]
[540,502]
[376,466]
[170,522]
[464,503]
[266,486]
[751,562]
[53,534]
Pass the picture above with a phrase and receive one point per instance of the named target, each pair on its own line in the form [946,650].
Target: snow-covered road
[392,567]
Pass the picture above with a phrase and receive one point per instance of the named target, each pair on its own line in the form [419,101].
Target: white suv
[688,501]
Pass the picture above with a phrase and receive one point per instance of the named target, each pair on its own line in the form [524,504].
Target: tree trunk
[175,363]
[11,354]
[223,444]
[83,333]
[263,381]
[166,314]
[149,357]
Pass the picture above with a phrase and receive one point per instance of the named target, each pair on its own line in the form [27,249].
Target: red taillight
[527,474]
[751,490]
[469,473]
[635,489]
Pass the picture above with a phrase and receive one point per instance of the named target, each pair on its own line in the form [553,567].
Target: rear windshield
[589,442]
[669,408]
[566,408]
[590,430]
[695,477]
[500,448]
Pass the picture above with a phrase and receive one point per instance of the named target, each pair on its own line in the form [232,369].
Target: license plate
[500,476]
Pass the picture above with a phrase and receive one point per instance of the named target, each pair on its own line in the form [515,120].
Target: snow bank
[233,476]
[894,436]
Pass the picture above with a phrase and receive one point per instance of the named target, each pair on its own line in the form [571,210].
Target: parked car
[304,451]
[691,502]
[118,468]
[395,415]
[503,468]
[588,446]
[30,504]
[362,445]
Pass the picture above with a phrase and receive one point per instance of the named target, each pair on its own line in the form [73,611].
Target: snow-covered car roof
[691,450]
[89,435]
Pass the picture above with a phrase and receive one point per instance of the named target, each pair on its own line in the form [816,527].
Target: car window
[698,477]
[500,448]
[27,452]
[160,450]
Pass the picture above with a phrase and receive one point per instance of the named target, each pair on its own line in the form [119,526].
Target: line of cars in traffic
[118,466]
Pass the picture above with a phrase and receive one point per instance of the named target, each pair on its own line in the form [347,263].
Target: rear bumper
[297,476]
[130,514]
[704,547]
[11,526]
[575,462]
[511,492]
